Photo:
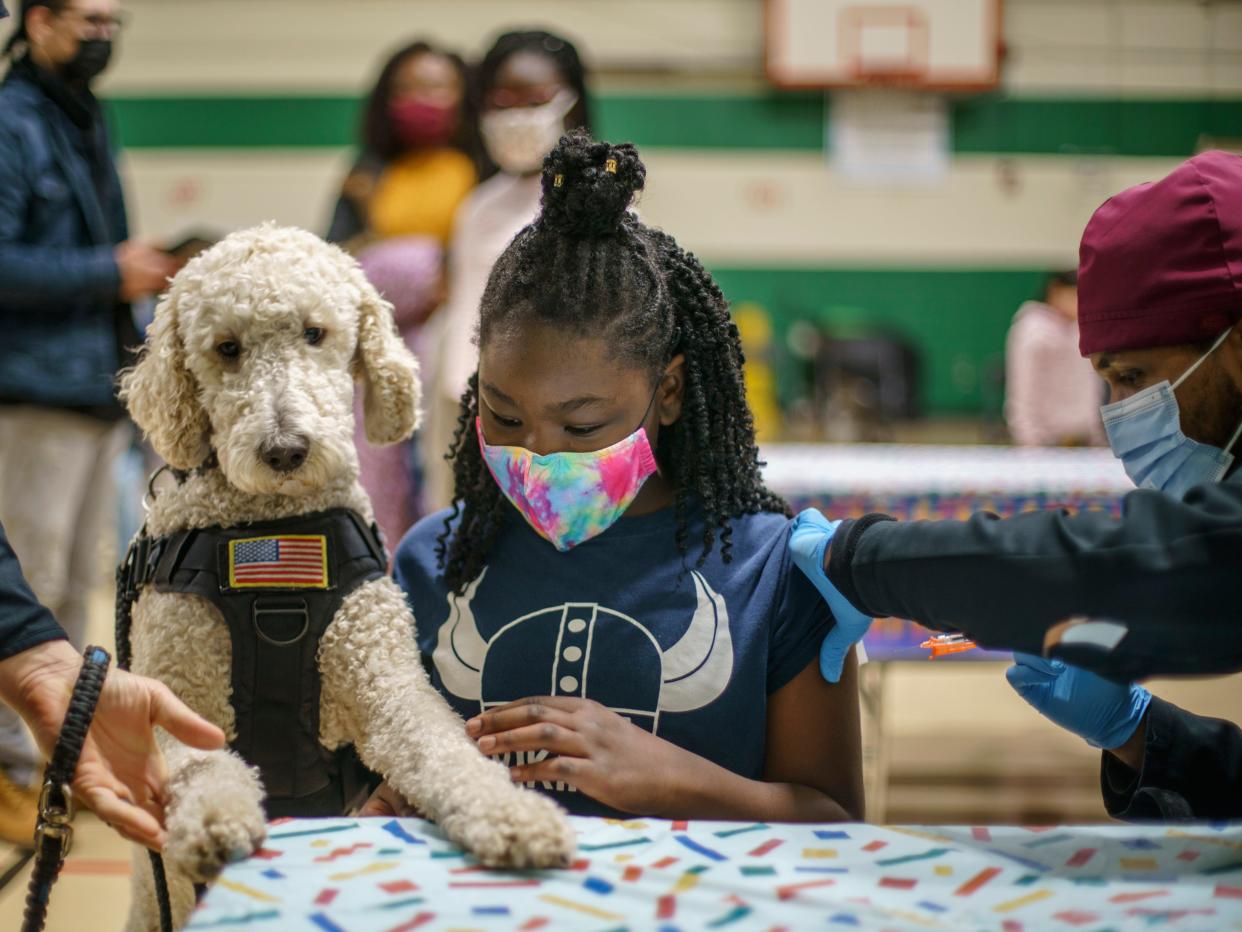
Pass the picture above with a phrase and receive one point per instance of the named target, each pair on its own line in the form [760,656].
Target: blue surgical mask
[1145,433]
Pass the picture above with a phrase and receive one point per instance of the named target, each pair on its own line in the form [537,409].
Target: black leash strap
[53,833]
[131,575]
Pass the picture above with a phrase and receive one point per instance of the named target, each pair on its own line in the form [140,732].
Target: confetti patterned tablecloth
[381,874]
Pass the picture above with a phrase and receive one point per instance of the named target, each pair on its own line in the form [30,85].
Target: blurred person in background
[532,89]
[419,152]
[419,160]
[68,272]
[1052,394]
[409,272]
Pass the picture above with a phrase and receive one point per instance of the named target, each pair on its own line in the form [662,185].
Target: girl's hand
[385,801]
[598,752]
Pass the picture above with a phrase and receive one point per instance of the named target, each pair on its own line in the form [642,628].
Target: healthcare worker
[1155,591]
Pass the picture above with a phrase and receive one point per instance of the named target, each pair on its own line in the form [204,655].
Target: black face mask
[92,57]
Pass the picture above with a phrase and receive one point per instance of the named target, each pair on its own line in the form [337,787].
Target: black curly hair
[588,267]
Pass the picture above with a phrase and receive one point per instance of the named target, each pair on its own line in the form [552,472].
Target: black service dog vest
[278,585]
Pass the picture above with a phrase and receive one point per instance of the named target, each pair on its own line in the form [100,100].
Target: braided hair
[589,267]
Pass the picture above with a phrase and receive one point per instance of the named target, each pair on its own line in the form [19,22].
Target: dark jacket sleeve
[346,223]
[23,621]
[1192,769]
[349,217]
[1167,569]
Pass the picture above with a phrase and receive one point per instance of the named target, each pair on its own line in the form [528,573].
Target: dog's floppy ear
[162,396]
[388,371]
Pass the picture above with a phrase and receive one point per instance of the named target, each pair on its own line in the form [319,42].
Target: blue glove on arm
[1099,710]
[808,542]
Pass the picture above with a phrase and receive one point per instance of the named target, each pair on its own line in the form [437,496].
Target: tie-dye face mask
[571,497]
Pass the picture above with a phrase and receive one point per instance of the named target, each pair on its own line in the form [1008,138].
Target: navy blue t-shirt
[688,653]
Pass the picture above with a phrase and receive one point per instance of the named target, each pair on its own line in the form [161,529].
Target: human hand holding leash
[120,774]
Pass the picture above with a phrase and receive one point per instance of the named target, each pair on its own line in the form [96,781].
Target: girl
[610,603]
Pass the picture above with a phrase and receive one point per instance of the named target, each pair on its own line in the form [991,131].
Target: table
[400,874]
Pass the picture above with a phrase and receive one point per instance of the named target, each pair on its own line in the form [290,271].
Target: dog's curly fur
[264,289]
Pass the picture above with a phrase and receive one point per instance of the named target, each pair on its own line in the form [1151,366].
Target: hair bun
[588,185]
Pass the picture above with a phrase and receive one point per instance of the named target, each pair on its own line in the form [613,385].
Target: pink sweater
[1052,394]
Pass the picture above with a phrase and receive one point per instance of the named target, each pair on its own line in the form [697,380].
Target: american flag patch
[289,560]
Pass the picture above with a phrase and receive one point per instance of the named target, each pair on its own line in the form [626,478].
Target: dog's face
[254,352]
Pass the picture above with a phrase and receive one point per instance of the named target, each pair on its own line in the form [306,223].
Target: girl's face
[549,393]
[429,78]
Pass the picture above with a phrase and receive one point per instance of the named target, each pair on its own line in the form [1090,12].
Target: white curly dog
[258,343]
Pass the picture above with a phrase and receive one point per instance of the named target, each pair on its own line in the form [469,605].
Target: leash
[131,574]
[54,833]
[134,572]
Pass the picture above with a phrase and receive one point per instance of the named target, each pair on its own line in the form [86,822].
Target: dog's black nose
[287,455]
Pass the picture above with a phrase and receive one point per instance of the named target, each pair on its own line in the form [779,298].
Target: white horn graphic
[697,668]
[459,649]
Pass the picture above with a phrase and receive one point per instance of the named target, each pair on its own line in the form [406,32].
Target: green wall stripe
[1095,127]
[794,121]
[955,318]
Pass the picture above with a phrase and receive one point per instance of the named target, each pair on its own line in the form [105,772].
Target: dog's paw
[214,815]
[222,834]
[519,829]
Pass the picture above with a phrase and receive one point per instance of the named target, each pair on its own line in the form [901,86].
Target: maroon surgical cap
[1161,263]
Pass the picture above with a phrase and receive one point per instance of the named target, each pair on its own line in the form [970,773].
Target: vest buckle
[276,618]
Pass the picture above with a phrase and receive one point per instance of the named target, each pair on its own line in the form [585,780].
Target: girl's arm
[813,767]
[815,742]
[812,771]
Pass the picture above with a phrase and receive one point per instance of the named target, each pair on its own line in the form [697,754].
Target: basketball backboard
[937,45]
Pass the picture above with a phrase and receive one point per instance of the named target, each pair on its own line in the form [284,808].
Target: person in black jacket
[68,271]
[1149,593]
[121,771]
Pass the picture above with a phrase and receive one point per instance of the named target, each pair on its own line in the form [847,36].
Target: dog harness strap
[278,585]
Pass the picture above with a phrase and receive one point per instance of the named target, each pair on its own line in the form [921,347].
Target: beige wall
[733,207]
[1098,46]
[1143,47]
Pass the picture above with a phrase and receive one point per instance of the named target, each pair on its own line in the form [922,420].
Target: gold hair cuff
[557,180]
[611,166]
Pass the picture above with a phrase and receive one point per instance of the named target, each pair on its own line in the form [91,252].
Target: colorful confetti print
[328,875]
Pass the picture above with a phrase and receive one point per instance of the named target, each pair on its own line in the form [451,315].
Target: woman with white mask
[532,89]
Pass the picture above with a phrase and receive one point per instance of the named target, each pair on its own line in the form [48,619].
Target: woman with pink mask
[395,212]
[418,153]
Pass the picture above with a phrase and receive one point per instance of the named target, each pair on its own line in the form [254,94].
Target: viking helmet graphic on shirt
[561,649]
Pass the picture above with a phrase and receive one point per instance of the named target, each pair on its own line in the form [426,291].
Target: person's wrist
[678,787]
[1123,726]
[1132,752]
[24,675]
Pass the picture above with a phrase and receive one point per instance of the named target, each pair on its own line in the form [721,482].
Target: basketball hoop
[883,45]
[932,45]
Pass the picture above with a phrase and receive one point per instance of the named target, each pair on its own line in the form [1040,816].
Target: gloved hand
[808,542]
[1103,712]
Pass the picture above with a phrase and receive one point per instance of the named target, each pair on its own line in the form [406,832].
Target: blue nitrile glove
[1103,712]
[807,544]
